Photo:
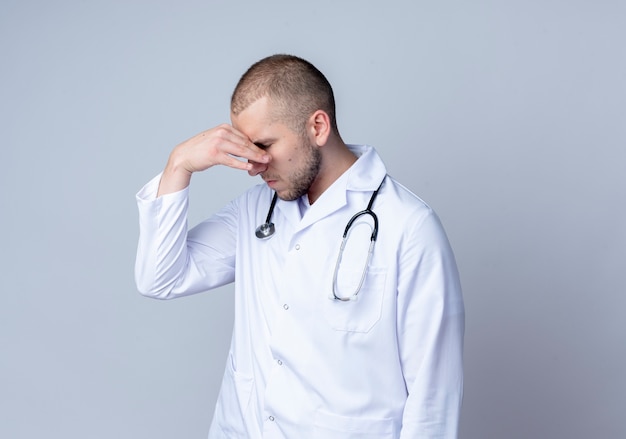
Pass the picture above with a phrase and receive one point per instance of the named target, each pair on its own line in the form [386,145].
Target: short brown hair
[294,86]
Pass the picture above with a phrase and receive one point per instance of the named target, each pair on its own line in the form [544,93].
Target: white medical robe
[302,365]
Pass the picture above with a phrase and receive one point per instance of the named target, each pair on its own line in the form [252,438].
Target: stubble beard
[302,179]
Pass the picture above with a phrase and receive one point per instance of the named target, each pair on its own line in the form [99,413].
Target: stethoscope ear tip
[265,230]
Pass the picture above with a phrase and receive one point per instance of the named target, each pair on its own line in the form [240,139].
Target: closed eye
[261,145]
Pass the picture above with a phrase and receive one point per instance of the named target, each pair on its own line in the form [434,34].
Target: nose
[257,168]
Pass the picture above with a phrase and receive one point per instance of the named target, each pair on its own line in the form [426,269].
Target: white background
[507,117]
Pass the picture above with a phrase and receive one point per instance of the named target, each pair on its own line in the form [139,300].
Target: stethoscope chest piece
[265,230]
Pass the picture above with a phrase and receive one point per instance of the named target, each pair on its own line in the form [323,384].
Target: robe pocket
[330,426]
[361,314]
[233,402]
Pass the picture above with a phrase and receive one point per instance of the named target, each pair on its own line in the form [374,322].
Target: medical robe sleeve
[172,261]
[430,332]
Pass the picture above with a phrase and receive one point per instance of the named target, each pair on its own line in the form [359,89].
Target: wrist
[175,177]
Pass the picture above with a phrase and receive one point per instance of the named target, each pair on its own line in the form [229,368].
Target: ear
[318,127]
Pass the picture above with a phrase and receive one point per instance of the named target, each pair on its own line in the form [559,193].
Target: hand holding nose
[222,145]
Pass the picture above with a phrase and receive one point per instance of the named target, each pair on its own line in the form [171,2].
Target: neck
[336,159]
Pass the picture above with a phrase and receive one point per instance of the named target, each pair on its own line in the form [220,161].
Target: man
[327,343]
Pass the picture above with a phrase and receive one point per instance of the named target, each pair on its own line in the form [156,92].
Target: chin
[286,196]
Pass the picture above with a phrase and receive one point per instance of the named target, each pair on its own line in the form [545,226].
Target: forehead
[257,121]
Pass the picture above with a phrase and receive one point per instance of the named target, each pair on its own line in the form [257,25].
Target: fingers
[235,149]
[222,145]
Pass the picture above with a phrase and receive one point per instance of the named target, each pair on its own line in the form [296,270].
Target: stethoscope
[267,230]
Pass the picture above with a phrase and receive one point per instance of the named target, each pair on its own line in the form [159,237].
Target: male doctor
[360,340]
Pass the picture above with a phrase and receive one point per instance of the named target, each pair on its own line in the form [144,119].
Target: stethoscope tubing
[368,211]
